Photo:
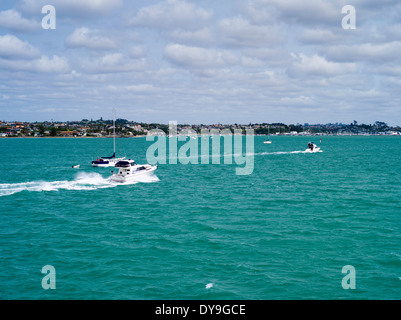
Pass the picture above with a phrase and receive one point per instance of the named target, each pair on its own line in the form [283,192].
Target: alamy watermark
[49,280]
[49,20]
[208,151]
[349,281]
[348,21]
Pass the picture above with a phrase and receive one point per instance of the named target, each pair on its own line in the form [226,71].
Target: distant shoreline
[61,137]
[256,135]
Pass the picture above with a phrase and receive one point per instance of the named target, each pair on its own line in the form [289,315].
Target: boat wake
[143,178]
[83,181]
[286,152]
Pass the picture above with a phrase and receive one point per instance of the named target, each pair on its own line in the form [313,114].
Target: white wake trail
[83,181]
[285,152]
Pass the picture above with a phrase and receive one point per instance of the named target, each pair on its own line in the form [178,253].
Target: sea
[302,226]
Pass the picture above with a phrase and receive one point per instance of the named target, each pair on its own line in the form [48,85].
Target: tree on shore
[53,131]
[41,129]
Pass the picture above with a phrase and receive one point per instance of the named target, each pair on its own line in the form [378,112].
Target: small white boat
[128,170]
[312,147]
[76,166]
[268,136]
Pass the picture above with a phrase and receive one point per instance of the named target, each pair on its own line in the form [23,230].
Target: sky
[201,62]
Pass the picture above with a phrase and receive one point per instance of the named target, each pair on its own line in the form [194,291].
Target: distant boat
[109,161]
[268,136]
[312,147]
[76,166]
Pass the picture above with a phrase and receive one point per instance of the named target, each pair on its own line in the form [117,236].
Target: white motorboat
[109,161]
[128,170]
[312,147]
[76,166]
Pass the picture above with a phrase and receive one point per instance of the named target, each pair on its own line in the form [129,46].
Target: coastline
[199,135]
[62,137]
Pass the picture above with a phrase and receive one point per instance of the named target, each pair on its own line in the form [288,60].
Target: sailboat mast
[114,131]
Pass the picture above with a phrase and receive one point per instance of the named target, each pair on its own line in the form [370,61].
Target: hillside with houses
[126,128]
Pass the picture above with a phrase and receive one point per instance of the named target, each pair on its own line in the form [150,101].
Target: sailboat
[109,161]
[268,136]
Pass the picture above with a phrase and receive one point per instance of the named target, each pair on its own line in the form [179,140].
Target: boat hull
[106,163]
[103,164]
[121,178]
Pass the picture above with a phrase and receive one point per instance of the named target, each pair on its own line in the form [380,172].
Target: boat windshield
[123,164]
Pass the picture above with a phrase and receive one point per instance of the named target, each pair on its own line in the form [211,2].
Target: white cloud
[201,36]
[318,66]
[137,52]
[44,64]
[272,55]
[91,39]
[12,20]
[171,14]
[199,58]
[13,48]
[320,36]
[300,100]
[113,63]
[393,32]
[137,88]
[305,12]
[251,62]
[56,64]
[238,31]
[388,70]
[366,52]
[141,88]
[258,14]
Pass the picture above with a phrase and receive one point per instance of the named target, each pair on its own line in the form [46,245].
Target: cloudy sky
[205,61]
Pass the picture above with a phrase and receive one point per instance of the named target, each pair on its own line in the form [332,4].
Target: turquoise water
[199,231]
